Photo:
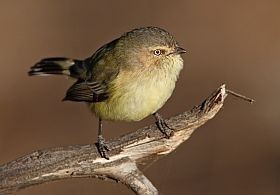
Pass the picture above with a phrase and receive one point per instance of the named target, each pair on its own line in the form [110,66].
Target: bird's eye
[158,52]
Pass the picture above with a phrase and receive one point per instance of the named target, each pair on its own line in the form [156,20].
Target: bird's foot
[163,126]
[102,147]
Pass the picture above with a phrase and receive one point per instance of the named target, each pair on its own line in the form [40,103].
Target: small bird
[127,79]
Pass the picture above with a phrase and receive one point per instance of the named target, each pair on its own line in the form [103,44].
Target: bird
[127,79]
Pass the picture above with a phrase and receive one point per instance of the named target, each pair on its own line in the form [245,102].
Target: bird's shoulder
[103,65]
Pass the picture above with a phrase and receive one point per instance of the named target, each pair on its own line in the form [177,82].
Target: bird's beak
[180,50]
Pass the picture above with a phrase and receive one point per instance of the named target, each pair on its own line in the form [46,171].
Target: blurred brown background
[232,42]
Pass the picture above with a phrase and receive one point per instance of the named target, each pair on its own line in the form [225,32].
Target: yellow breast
[135,95]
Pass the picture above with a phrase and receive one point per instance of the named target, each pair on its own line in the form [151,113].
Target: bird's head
[151,47]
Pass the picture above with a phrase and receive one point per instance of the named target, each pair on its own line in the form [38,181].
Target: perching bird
[127,79]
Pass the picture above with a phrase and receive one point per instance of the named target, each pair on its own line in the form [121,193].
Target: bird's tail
[58,66]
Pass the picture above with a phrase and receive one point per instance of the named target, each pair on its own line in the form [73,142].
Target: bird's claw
[102,147]
[164,128]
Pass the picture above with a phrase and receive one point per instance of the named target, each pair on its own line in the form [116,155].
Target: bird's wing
[101,70]
[83,91]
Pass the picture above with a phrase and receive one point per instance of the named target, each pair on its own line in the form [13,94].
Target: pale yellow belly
[135,99]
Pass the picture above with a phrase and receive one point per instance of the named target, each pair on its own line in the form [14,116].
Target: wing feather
[83,91]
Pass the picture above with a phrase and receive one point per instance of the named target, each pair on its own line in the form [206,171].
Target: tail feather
[58,66]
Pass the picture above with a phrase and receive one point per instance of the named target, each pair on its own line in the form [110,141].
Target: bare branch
[126,153]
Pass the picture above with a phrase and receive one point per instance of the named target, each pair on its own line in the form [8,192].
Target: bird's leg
[101,144]
[163,127]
